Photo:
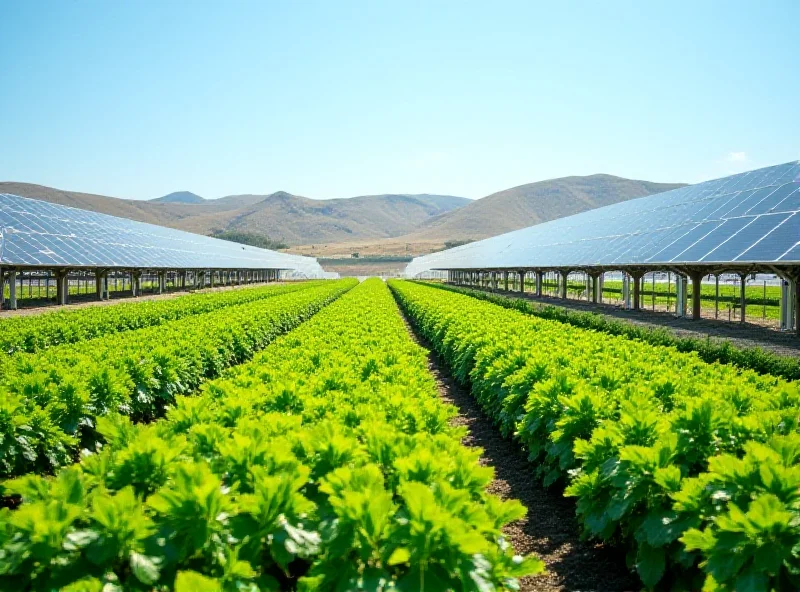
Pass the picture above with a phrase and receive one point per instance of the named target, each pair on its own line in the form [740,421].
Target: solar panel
[41,234]
[752,217]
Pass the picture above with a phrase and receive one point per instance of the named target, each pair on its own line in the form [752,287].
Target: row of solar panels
[751,217]
[41,234]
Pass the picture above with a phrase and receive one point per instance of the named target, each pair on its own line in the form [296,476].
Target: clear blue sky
[333,99]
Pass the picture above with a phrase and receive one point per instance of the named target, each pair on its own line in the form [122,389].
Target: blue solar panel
[41,234]
[749,217]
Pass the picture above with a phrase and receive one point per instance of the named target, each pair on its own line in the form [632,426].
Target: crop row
[686,464]
[326,463]
[752,358]
[50,400]
[34,333]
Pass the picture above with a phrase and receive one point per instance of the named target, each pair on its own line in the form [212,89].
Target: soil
[550,529]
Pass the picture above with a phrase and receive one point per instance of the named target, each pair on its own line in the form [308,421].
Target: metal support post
[521,282]
[213,278]
[62,286]
[563,286]
[136,283]
[742,296]
[626,290]
[697,278]
[539,282]
[716,296]
[637,287]
[789,304]
[596,281]
[494,280]
[505,281]
[681,284]
[12,289]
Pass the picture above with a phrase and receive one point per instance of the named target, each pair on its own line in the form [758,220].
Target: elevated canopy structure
[41,236]
[744,223]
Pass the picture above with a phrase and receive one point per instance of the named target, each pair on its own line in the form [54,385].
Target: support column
[505,281]
[697,278]
[12,289]
[62,286]
[797,307]
[136,283]
[788,304]
[680,295]
[539,283]
[521,282]
[597,287]
[716,296]
[637,289]
[563,285]
[98,284]
[742,296]
[494,280]
[213,278]
[162,282]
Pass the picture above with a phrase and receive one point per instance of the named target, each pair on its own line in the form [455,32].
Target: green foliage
[51,400]
[250,238]
[325,463]
[753,358]
[35,333]
[688,465]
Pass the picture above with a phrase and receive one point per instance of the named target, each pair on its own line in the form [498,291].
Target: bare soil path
[549,530]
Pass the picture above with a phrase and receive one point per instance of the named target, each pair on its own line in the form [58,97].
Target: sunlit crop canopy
[35,233]
[749,218]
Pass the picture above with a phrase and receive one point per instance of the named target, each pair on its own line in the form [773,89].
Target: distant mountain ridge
[392,223]
[281,216]
[180,197]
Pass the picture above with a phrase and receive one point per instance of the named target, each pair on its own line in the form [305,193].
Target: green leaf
[145,568]
[398,556]
[650,564]
[191,581]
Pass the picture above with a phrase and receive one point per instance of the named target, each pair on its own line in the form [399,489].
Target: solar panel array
[752,217]
[38,233]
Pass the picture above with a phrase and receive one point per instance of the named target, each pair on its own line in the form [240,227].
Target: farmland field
[293,438]
[325,463]
[689,466]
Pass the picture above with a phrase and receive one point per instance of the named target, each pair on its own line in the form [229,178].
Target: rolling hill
[372,225]
[533,203]
[186,197]
[500,212]
[281,216]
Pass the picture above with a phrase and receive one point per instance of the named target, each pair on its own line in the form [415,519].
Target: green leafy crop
[325,463]
[691,466]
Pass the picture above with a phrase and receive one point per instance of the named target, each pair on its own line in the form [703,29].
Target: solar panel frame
[35,233]
[659,230]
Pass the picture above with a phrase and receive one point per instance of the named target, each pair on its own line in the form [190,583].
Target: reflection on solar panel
[752,217]
[41,234]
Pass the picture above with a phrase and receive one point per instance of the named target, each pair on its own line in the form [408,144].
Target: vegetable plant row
[34,333]
[326,463]
[753,358]
[688,464]
[50,400]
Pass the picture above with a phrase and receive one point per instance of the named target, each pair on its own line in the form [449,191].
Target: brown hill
[281,216]
[531,204]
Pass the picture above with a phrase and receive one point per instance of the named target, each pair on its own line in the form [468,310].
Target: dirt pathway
[550,529]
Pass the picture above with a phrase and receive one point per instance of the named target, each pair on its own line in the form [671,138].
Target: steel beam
[12,289]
